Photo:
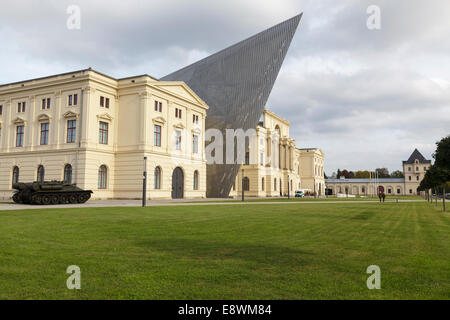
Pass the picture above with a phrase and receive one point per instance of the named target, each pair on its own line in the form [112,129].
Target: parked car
[299,194]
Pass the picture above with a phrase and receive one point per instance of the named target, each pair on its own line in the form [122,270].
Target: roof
[72,72]
[416,155]
[379,180]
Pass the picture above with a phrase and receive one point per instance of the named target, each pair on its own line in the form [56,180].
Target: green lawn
[306,199]
[307,251]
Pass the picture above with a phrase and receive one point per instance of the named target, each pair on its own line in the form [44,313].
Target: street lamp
[144,183]
[242,184]
[289,187]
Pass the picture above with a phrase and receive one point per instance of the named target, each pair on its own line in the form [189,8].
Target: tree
[345,173]
[435,177]
[325,175]
[362,174]
[351,175]
[382,172]
[442,153]
[339,173]
[397,174]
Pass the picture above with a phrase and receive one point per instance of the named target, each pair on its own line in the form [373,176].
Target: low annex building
[91,129]
[414,170]
[272,160]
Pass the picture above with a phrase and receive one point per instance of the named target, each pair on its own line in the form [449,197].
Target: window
[194,119]
[261,158]
[246,184]
[363,190]
[1,110]
[73,100]
[195,143]
[103,133]
[44,133]
[177,113]
[409,178]
[417,178]
[417,168]
[157,135]
[71,130]
[178,140]
[45,103]
[409,168]
[247,157]
[15,176]
[389,190]
[19,136]
[40,173]
[234,186]
[195,180]
[68,173]
[21,107]
[424,168]
[157,178]
[107,103]
[102,176]
[398,190]
[262,184]
[102,101]
[275,184]
[410,190]
[158,106]
[291,185]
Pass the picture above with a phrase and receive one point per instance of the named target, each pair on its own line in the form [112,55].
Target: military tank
[49,192]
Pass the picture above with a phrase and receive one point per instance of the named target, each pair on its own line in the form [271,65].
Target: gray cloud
[367,98]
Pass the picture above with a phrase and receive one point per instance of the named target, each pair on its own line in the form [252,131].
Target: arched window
[157,178]
[195,180]
[246,184]
[15,177]
[102,177]
[40,173]
[68,173]
[262,184]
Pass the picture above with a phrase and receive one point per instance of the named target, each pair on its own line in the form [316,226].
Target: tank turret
[49,192]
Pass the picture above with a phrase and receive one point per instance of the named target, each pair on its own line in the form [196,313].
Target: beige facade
[311,170]
[414,170]
[273,160]
[96,130]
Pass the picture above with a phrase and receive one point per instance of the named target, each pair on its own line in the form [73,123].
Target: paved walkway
[182,202]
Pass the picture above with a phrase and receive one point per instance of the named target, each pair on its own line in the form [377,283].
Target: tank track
[52,198]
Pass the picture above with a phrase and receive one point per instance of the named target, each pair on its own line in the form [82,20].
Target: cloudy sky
[366,97]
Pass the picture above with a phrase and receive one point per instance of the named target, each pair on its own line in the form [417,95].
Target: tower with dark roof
[414,170]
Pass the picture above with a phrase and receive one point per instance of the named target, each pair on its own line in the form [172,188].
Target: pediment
[18,120]
[160,120]
[180,89]
[44,117]
[70,114]
[197,131]
[105,116]
[178,125]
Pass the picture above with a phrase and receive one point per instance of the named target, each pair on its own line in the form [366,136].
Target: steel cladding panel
[236,83]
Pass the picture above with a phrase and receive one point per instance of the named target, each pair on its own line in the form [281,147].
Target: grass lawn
[306,199]
[317,251]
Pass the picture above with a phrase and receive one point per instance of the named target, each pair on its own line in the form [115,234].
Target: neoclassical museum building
[289,170]
[93,130]
[414,170]
[88,128]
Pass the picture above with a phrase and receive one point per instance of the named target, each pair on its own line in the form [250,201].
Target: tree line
[379,172]
[437,178]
